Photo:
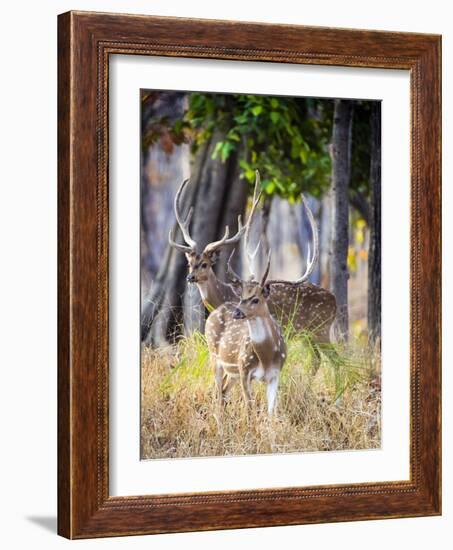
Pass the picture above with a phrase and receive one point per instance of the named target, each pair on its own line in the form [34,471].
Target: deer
[299,304]
[213,291]
[245,342]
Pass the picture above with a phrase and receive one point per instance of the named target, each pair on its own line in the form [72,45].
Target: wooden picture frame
[85,42]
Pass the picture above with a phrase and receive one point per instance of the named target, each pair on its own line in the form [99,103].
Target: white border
[129,475]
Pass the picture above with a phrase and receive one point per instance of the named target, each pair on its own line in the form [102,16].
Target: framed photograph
[249,275]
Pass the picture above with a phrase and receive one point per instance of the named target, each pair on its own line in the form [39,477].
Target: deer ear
[266,291]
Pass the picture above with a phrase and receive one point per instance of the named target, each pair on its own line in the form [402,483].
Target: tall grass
[337,408]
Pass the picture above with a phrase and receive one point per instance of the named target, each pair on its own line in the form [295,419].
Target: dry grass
[338,409]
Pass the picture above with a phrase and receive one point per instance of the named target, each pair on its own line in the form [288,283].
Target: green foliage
[285,138]
[191,366]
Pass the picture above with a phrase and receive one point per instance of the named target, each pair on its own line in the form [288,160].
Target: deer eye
[204,265]
[255,301]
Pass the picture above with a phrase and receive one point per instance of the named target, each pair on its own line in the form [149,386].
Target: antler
[191,244]
[241,228]
[224,240]
[233,276]
[312,261]
[183,225]
[171,236]
[256,198]
[266,271]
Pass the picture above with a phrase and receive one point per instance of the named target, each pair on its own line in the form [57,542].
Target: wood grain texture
[85,42]
[64,423]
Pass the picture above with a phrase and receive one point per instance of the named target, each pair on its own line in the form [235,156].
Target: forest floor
[337,409]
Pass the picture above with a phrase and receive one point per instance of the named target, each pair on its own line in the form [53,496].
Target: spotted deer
[214,292]
[299,306]
[246,343]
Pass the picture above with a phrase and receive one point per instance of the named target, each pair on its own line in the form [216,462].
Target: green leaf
[232,135]
[257,110]
[250,174]
[217,149]
[226,149]
[269,187]
[275,117]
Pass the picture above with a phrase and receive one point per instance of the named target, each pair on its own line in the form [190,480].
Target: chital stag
[214,292]
[246,343]
[299,305]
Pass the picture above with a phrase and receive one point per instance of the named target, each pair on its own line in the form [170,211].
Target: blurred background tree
[219,140]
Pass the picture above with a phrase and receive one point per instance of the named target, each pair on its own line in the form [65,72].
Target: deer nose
[238,314]
[190,278]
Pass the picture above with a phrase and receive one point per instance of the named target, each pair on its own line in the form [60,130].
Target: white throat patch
[203,288]
[258,330]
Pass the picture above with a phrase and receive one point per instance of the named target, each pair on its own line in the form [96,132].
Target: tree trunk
[341,172]
[374,255]
[218,197]
[325,238]
[266,212]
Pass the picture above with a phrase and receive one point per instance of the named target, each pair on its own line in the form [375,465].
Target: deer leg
[245,384]
[219,387]
[227,384]
[272,389]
